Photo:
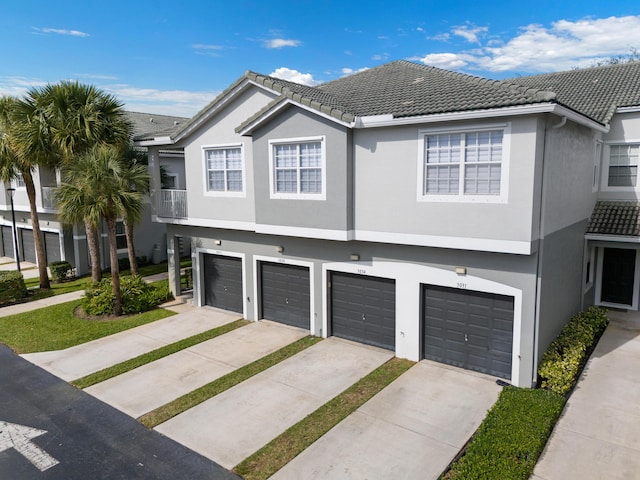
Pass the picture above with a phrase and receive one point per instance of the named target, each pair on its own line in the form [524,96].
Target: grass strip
[56,327]
[156,354]
[509,441]
[280,451]
[191,399]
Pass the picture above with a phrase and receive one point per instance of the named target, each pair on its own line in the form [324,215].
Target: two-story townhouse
[432,213]
[67,242]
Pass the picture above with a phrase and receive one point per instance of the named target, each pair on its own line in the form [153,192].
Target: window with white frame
[121,237]
[18,181]
[297,168]
[623,165]
[224,167]
[463,164]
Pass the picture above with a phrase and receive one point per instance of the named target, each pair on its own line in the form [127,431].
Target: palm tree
[95,188]
[25,145]
[81,116]
[136,178]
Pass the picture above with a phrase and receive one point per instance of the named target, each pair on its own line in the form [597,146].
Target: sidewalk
[57,299]
[597,434]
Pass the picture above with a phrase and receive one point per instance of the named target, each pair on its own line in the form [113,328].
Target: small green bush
[61,271]
[137,296]
[511,438]
[561,363]
[12,287]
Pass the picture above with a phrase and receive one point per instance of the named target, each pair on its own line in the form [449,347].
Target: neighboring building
[66,242]
[432,213]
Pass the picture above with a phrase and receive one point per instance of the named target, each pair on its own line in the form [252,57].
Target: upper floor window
[623,165]
[224,169]
[18,181]
[121,237]
[297,168]
[463,165]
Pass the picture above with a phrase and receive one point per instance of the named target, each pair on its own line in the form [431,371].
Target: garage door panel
[28,245]
[52,247]
[469,329]
[285,294]
[223,282]
[363,309]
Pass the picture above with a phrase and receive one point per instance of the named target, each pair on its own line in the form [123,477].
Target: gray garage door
[363,309]
[7,242]
[285,294]
[28,246]
[468,329]
[223,282]
[52,247]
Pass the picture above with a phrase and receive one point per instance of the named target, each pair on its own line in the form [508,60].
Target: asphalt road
[51,430]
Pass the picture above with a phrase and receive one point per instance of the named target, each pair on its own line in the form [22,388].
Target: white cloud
[281,42]
[294,76]
[94,76]
[538,48]
[61,31]
[350,71]
[379,57]
[469,33]
[169,102]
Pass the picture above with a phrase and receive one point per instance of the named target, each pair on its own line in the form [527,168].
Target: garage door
[7,242]
[285,294]
[52,247]
[223,282]
[468,329]
[363,309]
[28,246]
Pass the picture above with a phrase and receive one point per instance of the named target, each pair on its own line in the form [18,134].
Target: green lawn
[56,327]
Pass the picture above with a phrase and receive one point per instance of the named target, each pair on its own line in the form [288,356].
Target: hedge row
[137,296]
[561,363]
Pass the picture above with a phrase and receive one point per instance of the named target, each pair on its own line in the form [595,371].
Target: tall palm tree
[137,178]
[80,116]
[94,188]
[25,145]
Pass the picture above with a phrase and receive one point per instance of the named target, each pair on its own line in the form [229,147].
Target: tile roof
[615,218]
[595,92]
[150,124]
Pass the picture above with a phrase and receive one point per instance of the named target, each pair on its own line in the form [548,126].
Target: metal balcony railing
[172,203]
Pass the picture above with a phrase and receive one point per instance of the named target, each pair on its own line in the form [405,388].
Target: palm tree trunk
[37,234]
[94,250]
[115,273]
[131,249]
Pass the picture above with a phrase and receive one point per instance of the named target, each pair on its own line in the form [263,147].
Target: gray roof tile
[595,92]
[615,218]
[150,124]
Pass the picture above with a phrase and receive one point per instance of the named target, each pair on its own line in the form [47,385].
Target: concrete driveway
[597,436]
[76,362]
[150,386]
[410,430]
[231,426]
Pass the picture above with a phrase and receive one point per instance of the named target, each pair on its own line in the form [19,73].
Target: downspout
[541,235]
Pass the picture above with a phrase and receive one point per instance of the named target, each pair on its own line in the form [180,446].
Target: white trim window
[18,182]
[224,168]
[297,168]
[463,165]
[121,236]
[623,165]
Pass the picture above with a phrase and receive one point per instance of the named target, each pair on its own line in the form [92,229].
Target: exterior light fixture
[280,249]
[355,257]
[461,270]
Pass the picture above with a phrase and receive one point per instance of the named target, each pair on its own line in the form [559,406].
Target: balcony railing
[48,198]
[172,203]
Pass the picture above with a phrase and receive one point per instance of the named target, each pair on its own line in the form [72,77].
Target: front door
[618,272]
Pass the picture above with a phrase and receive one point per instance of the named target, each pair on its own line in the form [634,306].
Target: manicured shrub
[12,287]
[137,296]
[511,438]
[61,271]
[561,363]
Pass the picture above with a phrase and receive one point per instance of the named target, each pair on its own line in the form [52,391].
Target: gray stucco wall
[386,170]
[331,213]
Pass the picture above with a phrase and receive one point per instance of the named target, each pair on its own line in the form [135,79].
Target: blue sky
[174,57]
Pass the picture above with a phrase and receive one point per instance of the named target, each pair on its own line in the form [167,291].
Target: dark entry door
[7,242]
[618,270]
[223,282]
